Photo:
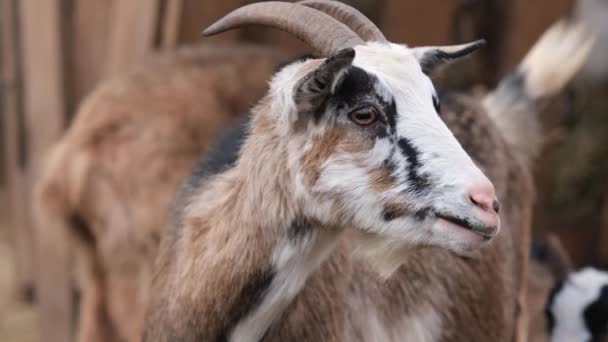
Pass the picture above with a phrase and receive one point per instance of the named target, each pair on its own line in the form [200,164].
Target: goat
[577,308]
[349,152]
[110,179]
[566,304]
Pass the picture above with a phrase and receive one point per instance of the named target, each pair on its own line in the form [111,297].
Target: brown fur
[324,147]
[381,180]
[116,169]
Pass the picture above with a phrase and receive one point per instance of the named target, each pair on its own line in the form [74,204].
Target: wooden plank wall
[45,115]
[171,23]
[132,32]
[89,45]
[21,233]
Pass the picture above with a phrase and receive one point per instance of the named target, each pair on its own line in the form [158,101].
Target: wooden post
[132,32]
[44,104]
[90,40]
[170,24]
[21,230]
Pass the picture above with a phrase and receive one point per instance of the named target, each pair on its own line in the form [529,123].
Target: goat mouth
[485,232]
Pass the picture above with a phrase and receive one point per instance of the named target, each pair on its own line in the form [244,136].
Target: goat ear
[314,88]
[430,57]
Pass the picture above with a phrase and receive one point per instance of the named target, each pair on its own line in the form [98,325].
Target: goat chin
[383,255]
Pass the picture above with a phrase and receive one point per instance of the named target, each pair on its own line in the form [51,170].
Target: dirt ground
[18,321]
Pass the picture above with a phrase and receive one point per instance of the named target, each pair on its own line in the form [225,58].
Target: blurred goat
[110,179]
[351,152]
[565,305]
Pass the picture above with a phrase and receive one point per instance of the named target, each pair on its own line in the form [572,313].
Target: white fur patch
[281,93]
[580,290]
[293,264]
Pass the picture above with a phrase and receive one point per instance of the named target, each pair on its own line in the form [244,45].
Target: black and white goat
[567,305]
[577,309]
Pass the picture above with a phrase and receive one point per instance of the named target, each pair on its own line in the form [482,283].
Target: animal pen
[54,53]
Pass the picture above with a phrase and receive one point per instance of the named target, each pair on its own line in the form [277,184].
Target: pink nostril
[484,197]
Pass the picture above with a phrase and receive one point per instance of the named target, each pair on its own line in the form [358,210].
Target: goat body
[435,295]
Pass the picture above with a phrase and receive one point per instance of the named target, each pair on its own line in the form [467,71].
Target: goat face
[368,149]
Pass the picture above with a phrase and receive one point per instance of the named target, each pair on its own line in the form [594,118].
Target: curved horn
[349,16]
[322,32]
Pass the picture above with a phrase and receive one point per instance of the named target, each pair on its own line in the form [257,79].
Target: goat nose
[483,196]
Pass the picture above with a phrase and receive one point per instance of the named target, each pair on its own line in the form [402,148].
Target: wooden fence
[54,52]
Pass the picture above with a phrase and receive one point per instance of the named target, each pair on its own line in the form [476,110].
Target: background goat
[110,179]
[263,250]
[565,304]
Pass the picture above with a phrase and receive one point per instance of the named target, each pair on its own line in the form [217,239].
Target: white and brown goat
[110,179]
[351,153]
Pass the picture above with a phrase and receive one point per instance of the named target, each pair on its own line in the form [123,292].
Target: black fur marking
[423,214]
[419,182]
[596,316]
[548,314]
[225,151]
[465,223]
[381,131]
[389,214]
[445,96]
[389,164]
[320,111]
[513,86]
[312,92]
[437,104]
[540,251]
[356,85]
[299,227]
[390,110]
[247,300]
[81,229]
[222,156]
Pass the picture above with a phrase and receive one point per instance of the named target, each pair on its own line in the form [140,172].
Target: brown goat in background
[110,179]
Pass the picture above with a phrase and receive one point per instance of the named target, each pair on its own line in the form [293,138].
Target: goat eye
[364,116]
